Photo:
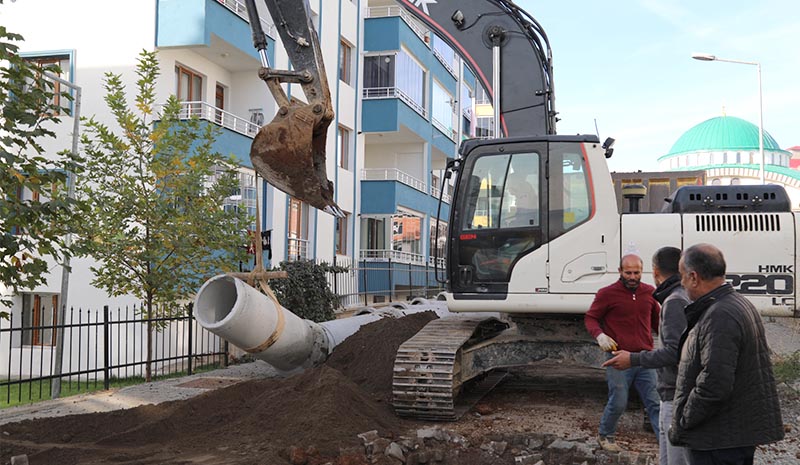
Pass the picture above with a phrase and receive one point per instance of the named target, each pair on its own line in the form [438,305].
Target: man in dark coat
[726,401]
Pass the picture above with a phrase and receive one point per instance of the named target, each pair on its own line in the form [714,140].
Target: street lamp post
[708,57]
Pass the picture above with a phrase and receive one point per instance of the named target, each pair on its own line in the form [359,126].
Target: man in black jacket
[673,300]
[726,401]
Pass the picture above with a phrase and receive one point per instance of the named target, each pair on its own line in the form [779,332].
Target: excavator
[534,229]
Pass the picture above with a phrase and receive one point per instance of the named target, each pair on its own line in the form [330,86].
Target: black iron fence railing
[99,346]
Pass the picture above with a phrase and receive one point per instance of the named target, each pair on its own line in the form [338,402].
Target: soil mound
[367,357]
[326,407]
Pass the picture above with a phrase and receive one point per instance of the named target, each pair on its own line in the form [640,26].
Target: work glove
[606,343]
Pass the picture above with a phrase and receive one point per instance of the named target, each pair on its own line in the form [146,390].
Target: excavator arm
[289,152]
[502,44]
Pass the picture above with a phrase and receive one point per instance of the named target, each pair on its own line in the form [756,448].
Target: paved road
[140,394]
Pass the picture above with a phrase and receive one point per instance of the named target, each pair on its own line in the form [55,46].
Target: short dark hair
[705,260]
[666,260]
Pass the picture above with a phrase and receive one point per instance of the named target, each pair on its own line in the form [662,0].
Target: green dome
[723,133]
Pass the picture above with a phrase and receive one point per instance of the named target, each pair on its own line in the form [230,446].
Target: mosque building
[726,148]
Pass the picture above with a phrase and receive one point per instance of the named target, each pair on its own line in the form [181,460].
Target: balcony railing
[449,132]
[371,93]
[394,11]
[382,255]
[448,66]
[240,9]
[438,261]
[393,174]
[297,249]
[205,111]
[446,198]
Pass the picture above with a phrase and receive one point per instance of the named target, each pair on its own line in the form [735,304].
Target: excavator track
[427,372]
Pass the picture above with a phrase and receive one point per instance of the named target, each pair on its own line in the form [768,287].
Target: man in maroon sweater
[623,317]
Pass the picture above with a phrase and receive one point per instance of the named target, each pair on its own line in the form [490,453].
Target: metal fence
[98,347]
[367,282]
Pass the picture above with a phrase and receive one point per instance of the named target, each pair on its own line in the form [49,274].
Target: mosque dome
[723,133]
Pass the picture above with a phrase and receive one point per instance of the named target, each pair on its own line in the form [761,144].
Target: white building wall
[113,46]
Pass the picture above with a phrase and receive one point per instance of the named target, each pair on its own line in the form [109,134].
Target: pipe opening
[215,301]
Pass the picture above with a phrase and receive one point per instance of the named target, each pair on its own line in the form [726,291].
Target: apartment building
[403,101]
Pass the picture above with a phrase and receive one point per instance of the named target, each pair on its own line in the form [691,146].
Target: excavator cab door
[497,218]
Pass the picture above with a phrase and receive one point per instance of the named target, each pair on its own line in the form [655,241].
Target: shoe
[646,425]
[608,443]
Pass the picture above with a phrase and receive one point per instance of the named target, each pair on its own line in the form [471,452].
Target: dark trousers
[734,456]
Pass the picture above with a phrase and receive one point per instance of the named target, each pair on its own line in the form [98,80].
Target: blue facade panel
[232,143]
[383,198]
[381,34]
[443,143]
[185,23]
[384,278]
[380,115]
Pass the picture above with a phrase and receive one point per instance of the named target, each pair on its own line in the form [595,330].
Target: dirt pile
[326,407]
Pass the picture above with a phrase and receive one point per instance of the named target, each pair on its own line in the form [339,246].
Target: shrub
[306,292]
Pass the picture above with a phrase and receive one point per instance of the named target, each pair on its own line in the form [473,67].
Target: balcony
[382,190]
[240,9]
[238,132]
[449,132]
[392,174]
[296,249]
[372,93]
[215,29]
[395,11]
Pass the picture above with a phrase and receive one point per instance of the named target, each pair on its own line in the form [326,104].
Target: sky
[624,68]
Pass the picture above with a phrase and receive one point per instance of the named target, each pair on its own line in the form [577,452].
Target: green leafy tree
[34,207]
[156,188]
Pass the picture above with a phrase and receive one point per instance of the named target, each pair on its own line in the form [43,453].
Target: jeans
[619,382]
[669,454]
[734,456]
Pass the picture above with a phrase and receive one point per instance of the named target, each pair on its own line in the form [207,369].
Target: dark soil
[251,422]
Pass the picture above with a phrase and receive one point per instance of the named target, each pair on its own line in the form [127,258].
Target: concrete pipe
[248,319]
[239,313]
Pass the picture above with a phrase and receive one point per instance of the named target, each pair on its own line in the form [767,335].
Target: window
[570,202]
[219,102]
[344,136]
[244,197]
[341,234]
[406,233]
[188,85]
[59,66]
[38,312]
[443,104]
[298,230]
[345,62]
[438,239]
[411,78]
[379,71]
[444,53]
[373,234]
[504,192]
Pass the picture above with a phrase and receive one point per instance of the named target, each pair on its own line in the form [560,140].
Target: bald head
[630,270]
[631,259]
